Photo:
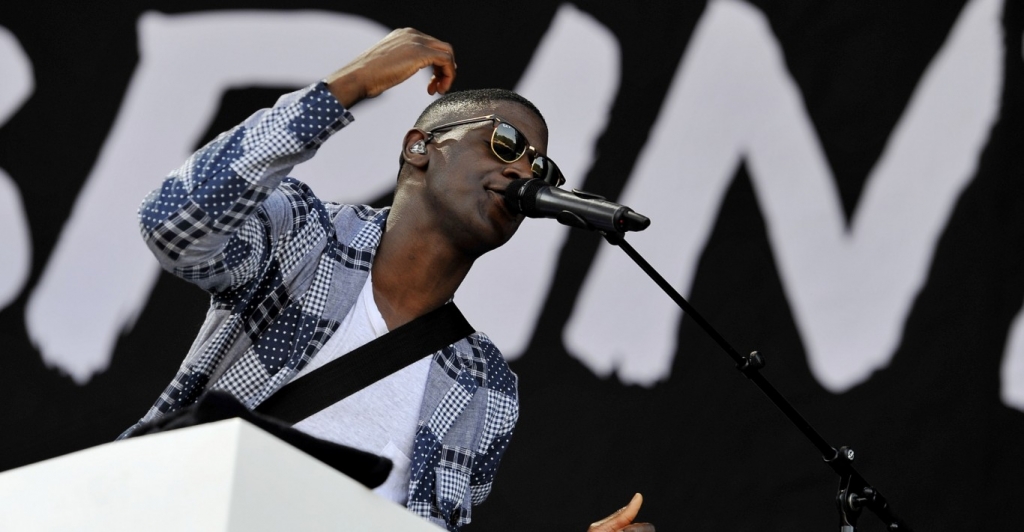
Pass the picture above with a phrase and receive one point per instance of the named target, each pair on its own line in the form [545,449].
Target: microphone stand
[854,493]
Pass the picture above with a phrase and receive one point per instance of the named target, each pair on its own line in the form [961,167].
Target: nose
[521,169]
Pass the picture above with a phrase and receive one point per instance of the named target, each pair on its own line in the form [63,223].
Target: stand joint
[844,455]
[853,493]
[751,364]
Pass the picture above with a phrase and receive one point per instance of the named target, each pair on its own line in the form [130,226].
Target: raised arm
[215,219]
[391,61]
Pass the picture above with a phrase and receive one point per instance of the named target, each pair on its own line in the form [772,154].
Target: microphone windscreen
[521,195]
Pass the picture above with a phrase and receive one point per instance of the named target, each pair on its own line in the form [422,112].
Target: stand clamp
[751,364]
[853,493]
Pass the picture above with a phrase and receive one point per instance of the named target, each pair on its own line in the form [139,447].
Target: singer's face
[467,179]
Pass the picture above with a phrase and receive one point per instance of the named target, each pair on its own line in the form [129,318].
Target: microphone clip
[572,219]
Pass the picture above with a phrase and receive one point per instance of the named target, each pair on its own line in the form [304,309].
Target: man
[297,282]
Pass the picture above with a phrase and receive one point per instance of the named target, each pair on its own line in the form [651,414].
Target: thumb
[621,518]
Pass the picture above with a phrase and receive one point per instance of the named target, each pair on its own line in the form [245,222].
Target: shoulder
[488,366]
[360,226]
[350,222]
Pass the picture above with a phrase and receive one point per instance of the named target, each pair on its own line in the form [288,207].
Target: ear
[414,148]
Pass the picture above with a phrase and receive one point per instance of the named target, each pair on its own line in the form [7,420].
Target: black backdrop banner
[837,185]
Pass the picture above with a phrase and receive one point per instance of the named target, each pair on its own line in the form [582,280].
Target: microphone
[536,199]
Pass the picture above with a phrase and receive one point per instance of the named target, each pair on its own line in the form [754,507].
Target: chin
[484,241]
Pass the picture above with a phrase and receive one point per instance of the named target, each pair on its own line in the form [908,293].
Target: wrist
[346,87]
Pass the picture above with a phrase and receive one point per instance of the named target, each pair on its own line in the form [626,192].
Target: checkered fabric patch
[244,378]
[365,212]
[324,330]
[299,202]
[244,254]
[425,510]
[498,375]
[204,270]
[450,361]
[263,314]
[333,209]
[212,160]
[213,353]
[456,458]
[266,159]
[315,299]
[186,386]
[208,161]
[354,258]
[449,409]
[294,247]
[242,208]
[270,386]
[485,467]
[451,490]
[181,229]
[475,361]
[318,211]
[273,125]
[480,491]
[368,237]
[502,413]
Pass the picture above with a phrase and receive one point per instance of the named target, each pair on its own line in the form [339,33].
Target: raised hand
[394,59]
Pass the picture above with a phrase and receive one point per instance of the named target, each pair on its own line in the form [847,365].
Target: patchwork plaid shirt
[283,269]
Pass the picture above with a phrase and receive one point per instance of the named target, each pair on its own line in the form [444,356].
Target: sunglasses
[509,145]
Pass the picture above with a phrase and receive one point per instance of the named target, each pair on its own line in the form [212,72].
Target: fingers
[392,60]
[623,517]
[437,54]
[443,62]
[444,76]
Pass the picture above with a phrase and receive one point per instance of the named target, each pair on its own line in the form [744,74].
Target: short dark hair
[453,102]
[456,101]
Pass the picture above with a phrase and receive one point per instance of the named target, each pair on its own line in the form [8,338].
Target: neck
[415,270]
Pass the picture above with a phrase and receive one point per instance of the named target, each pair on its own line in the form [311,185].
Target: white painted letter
[1011,374]
[850,288]
[16,259]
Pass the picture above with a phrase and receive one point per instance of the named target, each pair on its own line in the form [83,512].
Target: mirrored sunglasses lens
[546,170]
[507,143]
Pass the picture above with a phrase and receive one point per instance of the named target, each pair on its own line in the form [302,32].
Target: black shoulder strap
[367,364]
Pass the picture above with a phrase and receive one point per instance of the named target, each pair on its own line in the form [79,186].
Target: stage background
[837,185]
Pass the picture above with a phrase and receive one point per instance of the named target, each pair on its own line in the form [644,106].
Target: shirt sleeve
[212,221]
